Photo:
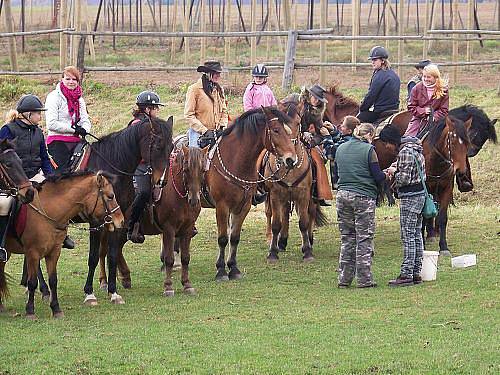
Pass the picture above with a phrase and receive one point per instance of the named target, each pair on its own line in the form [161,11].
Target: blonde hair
[441,84]
[364,131]
[12,115]
[351,122]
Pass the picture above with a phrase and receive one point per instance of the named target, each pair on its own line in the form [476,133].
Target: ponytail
[12,115]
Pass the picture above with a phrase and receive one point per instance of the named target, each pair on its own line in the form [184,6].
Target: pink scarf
[72,97]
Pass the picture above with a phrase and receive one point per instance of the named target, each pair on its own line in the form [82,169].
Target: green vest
[352,160]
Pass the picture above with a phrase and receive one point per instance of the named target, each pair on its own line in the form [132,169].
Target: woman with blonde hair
[429,100]
[359,175]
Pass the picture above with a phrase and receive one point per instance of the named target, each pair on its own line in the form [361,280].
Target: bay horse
[339,105]
[232,176]
[291,187]
[61,197]
[445,152]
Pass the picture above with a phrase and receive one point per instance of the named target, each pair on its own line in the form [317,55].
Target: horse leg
[103,252]
[168,239]
[285,225]
[222,215]
[94,242]
[185,242]
[276,208]
[442,222]
[116,240]
[236,223]
[32,264]
[123,270]
[3,285]
[304,226]
[51,262]
[44,288]
[269,216]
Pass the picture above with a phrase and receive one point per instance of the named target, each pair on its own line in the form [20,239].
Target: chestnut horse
[232,177]
[61,197]
[291,187]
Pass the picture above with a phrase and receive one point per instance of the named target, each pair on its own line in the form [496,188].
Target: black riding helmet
[378,52]
[29,103]
[260,70]
[148,98]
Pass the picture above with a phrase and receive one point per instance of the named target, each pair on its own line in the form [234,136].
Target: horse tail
[320,219]
[4,290]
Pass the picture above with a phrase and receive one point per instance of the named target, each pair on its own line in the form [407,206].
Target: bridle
[177,190]
[108,218]
[448,159]
[11,187]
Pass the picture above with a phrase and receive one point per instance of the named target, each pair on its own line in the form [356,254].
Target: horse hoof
[90,300]
[127,284]
[2,308]
[31,317]
[235,275]
[117,299]
[444,253]
[190,291]
[168,293]
[272,260]
[58,315]
[46,297]
[222,278]
[309,259]
[103,285]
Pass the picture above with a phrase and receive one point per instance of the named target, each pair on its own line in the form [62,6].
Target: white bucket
[429,265]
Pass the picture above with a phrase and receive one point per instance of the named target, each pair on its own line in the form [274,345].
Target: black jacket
[383,92]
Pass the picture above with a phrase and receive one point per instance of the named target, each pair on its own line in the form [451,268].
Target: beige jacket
[201,113]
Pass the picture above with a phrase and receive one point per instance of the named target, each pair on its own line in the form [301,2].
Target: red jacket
[419,101]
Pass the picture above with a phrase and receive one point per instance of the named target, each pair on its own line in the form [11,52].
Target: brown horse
[232,177]
[445,151]
[339,105]
[61,198]
[287,188]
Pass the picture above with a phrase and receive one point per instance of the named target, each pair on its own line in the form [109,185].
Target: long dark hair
[209,85]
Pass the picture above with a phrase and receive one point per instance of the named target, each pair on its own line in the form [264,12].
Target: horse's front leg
[185,243]
[33,261]
[269,216]
[442,222]
[3,285]
[168,239]
[276,208]
[285,226]
[234,240]
[44,288]
[222,215]
[123,270]
[94,242]
[116,240]
[304,227]
[103,253]
[51,262]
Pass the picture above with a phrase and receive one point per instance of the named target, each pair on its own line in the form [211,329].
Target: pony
[13,179]
[61,197]
[232,177]
[287,188]
[445,152]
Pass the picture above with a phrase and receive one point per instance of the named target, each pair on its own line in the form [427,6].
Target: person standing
[410,190]
[258,94]
[67,118]
[206,110]
[358,177]
[383,93]
[429,97]
[23,126]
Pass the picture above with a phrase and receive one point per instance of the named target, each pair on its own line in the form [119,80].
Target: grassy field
[284,319]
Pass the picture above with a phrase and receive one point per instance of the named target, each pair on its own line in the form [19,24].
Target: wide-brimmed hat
[318,92]
[422,64]
[210,67]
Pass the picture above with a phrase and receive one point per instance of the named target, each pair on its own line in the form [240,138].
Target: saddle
[80,158]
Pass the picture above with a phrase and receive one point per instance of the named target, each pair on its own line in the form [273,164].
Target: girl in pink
[258,93]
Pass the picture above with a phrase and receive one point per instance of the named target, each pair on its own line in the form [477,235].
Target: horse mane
[480,120]
[56,177]
[341,100]
[6,144]
[253,120]
[437,130]
[195,158]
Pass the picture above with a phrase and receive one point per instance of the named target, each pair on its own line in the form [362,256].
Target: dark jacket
[383,92]
[29,146]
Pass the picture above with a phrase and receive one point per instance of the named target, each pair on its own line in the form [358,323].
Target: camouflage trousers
[356,218]
[410,219]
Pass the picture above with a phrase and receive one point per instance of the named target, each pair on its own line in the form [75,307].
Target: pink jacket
[258,95]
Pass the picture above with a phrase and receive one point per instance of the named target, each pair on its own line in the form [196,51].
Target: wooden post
[80,57]
[355,6]
[322,44]
[455,42]
[174,26]
[285,4]
[253,27]
[401,32]
[203,28]
[295,6]
[426,28]
[470,26]
[89,28]
[387,21]
[432,23]
[186,29]
[289,59]
[274,18]
[78,27]
[12,40]
[63,39]
[227,27]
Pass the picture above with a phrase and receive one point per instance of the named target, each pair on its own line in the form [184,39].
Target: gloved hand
[80,131]
[218,132]
[307,136]
[206,139]
[209,134]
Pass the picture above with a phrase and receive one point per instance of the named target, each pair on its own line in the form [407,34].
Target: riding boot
[4,222]
[134,227]
[68,243]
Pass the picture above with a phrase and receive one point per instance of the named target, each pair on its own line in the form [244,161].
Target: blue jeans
[193,138]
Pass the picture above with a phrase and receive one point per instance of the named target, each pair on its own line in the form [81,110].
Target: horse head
[457,142]
[278,136]
[12,175]
[106,209]
[339,105]
[193,162]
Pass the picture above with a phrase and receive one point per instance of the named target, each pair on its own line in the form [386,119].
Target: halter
[448,160]
[12,188]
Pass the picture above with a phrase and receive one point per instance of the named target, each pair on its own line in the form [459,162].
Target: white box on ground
[463,261]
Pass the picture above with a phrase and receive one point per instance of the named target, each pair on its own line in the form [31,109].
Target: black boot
[4,223]
[68,243]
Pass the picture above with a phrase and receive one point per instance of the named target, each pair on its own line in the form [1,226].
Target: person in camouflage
[358,177]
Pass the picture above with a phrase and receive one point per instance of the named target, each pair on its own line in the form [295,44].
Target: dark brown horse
[445,151]
[61,198]
[13,180]
[232,177]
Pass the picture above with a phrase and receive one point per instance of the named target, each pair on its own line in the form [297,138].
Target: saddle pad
[18,222]
[383,124]
[81,158]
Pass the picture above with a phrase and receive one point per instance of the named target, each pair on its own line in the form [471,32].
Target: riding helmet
[29,103]
[260,70]
[378,52]
[148,98]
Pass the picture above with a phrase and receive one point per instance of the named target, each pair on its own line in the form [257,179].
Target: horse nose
[194,200]
[290,162]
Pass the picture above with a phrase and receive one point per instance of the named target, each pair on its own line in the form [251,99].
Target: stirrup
[3,255]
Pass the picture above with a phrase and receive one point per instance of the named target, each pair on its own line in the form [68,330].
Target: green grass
[282,319]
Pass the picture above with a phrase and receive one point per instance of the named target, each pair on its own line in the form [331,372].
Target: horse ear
[468,123]
[265,110]
[493,122]
[170,122]
[100,179]
[449,123]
